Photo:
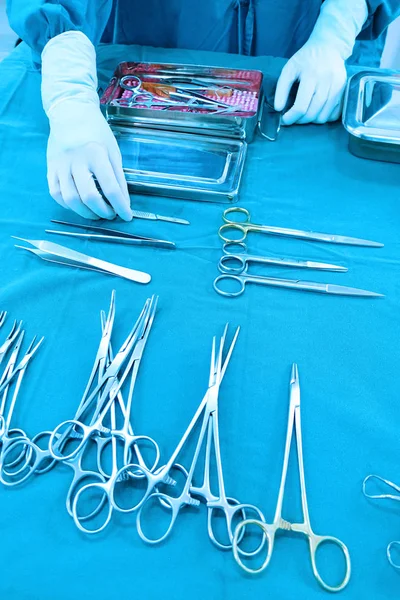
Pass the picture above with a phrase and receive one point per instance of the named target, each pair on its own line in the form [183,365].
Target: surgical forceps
[7,435]
[236,260]
[10,438]
[177,98]
[396,488]
[78,430]
[7,344]
[207,415]
[170,79]
[66,256]
[270,529]
[125,434]
[3,315]
[21,366]
[104,234]
[243,227]
[38,456]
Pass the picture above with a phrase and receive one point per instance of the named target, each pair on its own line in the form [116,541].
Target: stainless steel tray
[371,115]
[240,125]
[181,165]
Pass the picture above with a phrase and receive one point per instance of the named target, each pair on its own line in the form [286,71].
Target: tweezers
[62,255]
[103,234]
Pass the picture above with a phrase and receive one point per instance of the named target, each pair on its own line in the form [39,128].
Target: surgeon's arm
[319,65]
[81,145]
[381,14]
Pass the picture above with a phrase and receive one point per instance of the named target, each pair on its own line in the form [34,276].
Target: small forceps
[236,260]
[270,529]
[243,227]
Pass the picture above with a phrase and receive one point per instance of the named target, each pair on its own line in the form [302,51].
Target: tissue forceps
[138,214]
[236,252]
[103,234]
[243,227]
[270,529]
[63,255]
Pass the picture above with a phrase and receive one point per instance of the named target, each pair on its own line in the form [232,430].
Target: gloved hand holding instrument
[81,144]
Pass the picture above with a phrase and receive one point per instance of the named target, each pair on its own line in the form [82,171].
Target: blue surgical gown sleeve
[381,14]
[37,21]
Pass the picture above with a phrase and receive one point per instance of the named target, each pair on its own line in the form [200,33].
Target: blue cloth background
[347,350]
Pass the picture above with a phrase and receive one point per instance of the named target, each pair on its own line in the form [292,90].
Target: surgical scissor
[293,284]
[236,260]
[133,84]
[243,228]
[279,523]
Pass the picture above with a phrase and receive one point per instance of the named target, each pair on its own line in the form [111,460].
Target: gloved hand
[319,65]
[81,145]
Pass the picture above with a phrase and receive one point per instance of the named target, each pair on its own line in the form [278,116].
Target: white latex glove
[319,65]
[81,145]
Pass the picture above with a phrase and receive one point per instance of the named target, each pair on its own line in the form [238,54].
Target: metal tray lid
[372,106]
[181,165]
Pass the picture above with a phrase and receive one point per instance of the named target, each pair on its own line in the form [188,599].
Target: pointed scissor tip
[294,377]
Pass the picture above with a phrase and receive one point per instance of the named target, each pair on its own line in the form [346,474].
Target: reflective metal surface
[371,115]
